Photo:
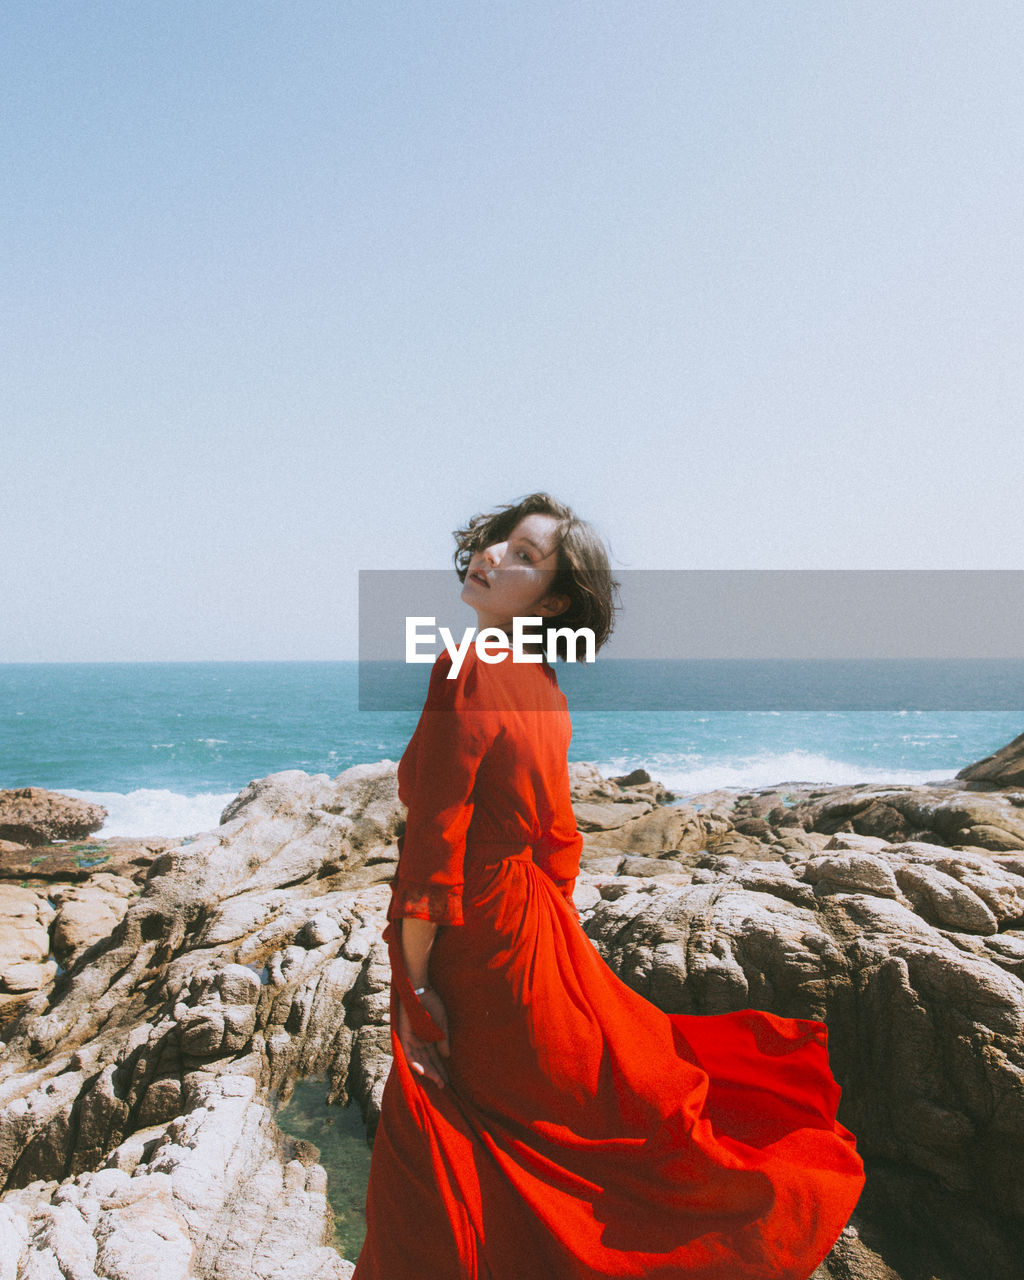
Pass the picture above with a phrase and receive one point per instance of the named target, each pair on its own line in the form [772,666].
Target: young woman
[541,1119]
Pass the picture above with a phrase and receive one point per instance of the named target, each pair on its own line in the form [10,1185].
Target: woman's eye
[525,555]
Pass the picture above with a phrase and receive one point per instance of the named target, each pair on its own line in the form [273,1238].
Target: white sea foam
[149,812]
[747,773]
[156,813]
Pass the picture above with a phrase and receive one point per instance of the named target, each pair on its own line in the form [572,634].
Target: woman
[541,1119]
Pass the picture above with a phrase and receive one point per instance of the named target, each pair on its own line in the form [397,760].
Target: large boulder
[88,913]
[913,954]
[32,816]
[1004,768]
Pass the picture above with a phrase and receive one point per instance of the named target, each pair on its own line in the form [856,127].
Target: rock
[852,873]
[955,815]
[944,901]
[25,917]
[884,821]
[586,895]
[26,976]
[853,1258]
[633,779]
[649,867]
[1004,768]
[721,800]
[779,816]
[869,811]
[603,817]
[135,1094]
[649,833]
[759,828]
[129,1040]
[862,844]
[78,861]
[775,878]
[88,913]
[587,783]
[800,841]
[216,1011]
[357,827]
[924,1031]
[639,785]
[1001,890]
[213,1194]
[32,816]
[735,844]
[983,836]
[323,928]
[596,849]
[942,815]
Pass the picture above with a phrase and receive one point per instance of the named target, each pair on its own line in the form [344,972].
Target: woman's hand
[426,1057]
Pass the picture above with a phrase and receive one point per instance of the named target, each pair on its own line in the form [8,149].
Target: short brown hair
[583,573]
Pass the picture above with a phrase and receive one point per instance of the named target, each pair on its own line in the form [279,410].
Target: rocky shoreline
[158,997]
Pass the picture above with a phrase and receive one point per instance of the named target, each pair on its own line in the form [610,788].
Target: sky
[292,290]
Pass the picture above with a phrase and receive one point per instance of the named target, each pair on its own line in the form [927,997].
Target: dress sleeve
[567,888]
[561,862]
[558,855]
[450,741]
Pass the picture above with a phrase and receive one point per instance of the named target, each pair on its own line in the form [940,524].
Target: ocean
[164,746]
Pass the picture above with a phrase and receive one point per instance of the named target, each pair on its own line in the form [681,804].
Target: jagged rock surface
[57,901]
[241,966]
[134,1100]
[25,918]
[215,1192]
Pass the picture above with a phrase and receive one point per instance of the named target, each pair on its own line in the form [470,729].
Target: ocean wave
[150,812]
[747,773]
[156,813]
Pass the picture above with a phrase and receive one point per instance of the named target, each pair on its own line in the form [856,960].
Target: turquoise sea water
[164,746]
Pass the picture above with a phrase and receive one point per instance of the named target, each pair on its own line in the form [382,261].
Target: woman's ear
[552,606]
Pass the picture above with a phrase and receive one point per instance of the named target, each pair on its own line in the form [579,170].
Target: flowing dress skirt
[585,1133]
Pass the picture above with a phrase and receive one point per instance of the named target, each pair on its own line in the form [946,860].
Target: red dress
[583,1132]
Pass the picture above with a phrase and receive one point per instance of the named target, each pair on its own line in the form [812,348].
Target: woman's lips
[477,576]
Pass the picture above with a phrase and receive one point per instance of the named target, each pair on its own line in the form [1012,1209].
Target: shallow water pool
[340,1135]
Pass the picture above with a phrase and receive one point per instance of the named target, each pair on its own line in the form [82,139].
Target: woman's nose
[494,552]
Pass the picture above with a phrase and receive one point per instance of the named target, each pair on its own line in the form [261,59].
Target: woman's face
[513,578]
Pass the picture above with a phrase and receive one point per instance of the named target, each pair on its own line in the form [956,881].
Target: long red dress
[583,1132]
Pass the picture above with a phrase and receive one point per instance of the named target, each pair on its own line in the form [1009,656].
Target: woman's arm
[436,781]
[417,940]
[424,1058]
[437,777]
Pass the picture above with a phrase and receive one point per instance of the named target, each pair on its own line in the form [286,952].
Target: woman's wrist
[417,942]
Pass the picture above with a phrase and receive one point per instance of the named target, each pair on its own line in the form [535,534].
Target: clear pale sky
[292,289]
